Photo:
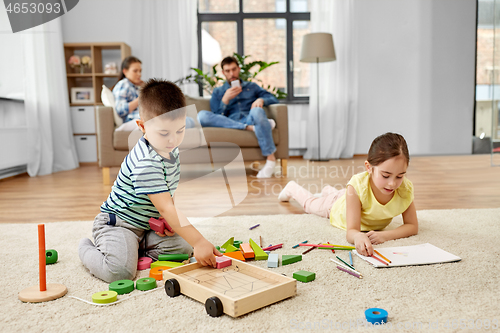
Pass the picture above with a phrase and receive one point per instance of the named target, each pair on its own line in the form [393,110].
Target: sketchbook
[423,254]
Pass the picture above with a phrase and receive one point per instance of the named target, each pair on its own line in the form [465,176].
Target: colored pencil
[260,241]
[342,265]
[352,273]
[274,247]
[350,259]
[380,260]
[333,251]
[255,226]
[330,246]
[309,250]
[382,256]
[296,246]
[344,262]
[346,246]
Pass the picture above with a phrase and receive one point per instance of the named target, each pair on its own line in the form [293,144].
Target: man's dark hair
[158,97]
[227,61]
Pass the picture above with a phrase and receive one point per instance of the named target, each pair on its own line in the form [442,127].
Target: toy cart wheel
[213,305]
[172,288]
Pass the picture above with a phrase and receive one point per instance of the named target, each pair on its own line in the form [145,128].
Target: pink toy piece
[167,226]
[223,262]
[144,263]
[156,225]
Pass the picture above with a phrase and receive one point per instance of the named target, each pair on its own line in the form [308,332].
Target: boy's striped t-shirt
[142,172]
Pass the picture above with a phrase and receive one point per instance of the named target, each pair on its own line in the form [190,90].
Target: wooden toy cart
[234,290]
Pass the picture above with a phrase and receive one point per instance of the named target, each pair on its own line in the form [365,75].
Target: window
[487,111]
[267,30]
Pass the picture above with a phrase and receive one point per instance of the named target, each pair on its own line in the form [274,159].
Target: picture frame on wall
[82,95]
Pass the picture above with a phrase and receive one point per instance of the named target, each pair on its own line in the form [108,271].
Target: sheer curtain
[51,147]
[167,31]
[338,95]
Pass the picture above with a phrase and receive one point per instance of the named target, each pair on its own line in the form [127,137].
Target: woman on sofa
[126,93]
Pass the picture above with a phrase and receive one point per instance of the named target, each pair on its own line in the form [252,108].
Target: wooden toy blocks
[235,255]
[290,259]
[259,253]
[272,261]
[304,276]
[246,249]
[170,264]
[223,262]
[173,257]
[159,225]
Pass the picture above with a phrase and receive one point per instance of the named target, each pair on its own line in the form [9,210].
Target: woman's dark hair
[387,146]
[126,65]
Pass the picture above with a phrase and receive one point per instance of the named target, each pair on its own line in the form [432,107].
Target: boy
[145,188]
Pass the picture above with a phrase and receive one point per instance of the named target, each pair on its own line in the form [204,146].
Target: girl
[371,198]
[126,91]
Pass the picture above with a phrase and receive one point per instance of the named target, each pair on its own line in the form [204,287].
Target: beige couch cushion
[192,139]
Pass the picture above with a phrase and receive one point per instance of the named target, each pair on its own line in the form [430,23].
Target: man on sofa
[239,105]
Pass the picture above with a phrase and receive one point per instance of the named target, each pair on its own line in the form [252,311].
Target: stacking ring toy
[122,286]
[50,256]
[104,297]
[157,272]
[144,263]
[376,315]
[145,284]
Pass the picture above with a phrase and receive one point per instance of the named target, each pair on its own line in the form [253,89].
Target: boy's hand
[166,233]
[376,237]
[204,252]
[363,244]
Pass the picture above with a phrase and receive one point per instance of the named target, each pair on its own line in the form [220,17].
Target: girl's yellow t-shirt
[374,216]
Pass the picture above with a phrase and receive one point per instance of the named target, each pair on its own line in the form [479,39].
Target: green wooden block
[287,259]
[170,264]
[230,241]
[304,276]
[173,257]
[229,248]
[236,244]
[259,253]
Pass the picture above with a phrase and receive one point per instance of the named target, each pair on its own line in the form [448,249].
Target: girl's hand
[204,252]
[166,233]
[363,244]
[376,237]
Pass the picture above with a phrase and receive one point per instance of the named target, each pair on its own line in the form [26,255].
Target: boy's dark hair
[387,146]
[158,97]
[227,61]
[126,65]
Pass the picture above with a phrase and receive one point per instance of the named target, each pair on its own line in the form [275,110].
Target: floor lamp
[317,47]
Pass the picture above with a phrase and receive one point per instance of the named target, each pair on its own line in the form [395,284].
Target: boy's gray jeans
[116,251]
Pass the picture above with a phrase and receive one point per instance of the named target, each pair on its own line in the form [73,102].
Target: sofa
[113,145]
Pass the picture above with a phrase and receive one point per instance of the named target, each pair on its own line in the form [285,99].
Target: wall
[416,73]
[416,67]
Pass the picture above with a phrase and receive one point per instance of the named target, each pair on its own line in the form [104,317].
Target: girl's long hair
[387,146]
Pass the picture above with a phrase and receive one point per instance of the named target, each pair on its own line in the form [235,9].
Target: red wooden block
[156,225]
[167,226]
[223,262]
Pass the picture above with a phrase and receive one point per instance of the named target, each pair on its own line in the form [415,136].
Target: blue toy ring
[376,315]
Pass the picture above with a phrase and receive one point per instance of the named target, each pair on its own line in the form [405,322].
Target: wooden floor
[441,182]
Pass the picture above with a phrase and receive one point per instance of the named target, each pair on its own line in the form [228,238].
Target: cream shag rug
[452,296]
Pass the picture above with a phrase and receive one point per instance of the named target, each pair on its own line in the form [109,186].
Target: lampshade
[318,47]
